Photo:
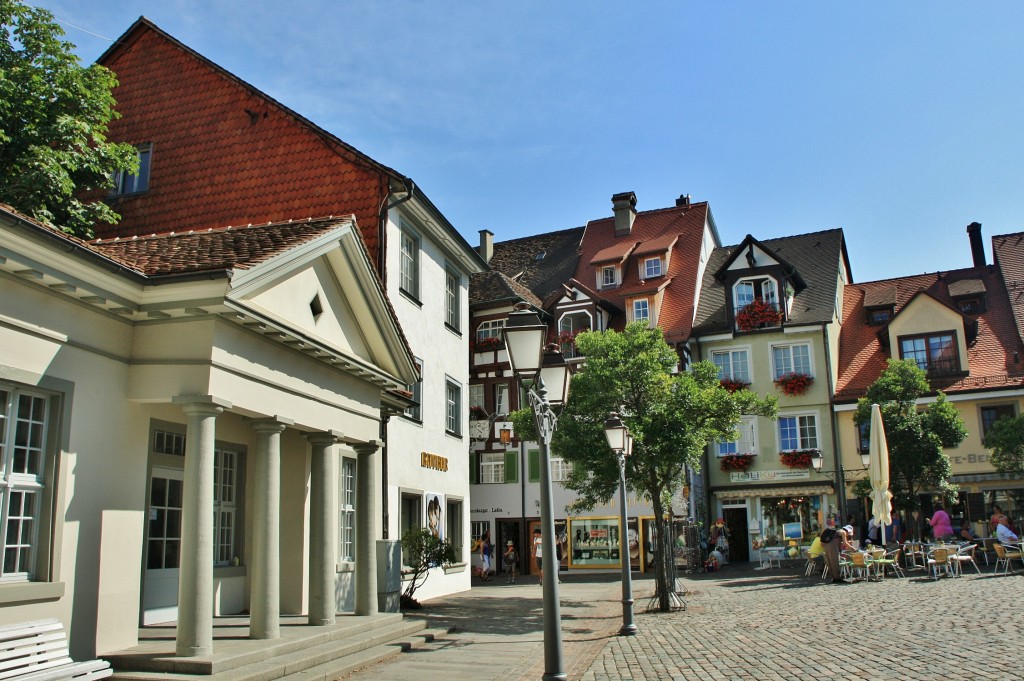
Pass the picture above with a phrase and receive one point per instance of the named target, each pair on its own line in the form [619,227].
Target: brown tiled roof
[661,244]
[880,297]
[816,258]
[994,355]
[686,223]
[522,260]
[966,287]
[225,153]
[1008,252]
[614,253]
[212,249]
[489,288]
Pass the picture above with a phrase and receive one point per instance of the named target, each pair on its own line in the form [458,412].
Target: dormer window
[935,353]
[878,316]
[641,310]
[609,277]
[970,305]
[651,268]
[746,290]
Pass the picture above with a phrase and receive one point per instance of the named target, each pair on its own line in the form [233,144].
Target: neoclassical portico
[196,583]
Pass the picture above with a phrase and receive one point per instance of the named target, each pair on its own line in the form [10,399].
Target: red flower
[737,462]
[732,384]
[794,383]
[800,458]
[485,344]
[758,314]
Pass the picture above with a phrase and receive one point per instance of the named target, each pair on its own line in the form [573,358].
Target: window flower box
[486,344]
[800,458]
[737,462]
[794,383]
[732,384]
[758,314]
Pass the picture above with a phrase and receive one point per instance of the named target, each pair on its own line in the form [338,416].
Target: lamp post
[621,442]
[544,373]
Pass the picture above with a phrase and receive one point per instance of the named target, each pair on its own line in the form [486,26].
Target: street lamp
[537,367]
[621,442]
[817,459]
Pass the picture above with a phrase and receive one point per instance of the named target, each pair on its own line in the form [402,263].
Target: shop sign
[435,461]
[769,476]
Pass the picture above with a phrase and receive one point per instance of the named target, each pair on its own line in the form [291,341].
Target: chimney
[624,208]
[977,247]
[486,247]
[683,201]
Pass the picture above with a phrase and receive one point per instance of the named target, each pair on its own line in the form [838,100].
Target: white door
[163,547]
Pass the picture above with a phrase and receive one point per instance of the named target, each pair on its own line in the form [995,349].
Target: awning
[765,491]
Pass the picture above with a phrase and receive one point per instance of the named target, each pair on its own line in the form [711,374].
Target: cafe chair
[890,561]
[965,554]
[859,565]
[1004,554]
[913,555]
[938,559]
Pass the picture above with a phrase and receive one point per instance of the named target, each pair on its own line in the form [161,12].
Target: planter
[736,462]
[732,385]
[758,314]
[798,458]
[794,383]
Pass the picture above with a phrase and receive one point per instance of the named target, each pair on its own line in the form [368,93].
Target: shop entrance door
[163,544]
[739,545]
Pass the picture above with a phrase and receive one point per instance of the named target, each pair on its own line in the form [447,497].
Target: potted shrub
[758,314]
[794,383]
[737,462]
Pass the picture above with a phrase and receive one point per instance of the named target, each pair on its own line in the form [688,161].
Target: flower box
[800,458]
[794,383]
[758,314]
[737,462]
[732,385]
[486,344]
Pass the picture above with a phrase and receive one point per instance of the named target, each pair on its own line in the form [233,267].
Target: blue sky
[899,122]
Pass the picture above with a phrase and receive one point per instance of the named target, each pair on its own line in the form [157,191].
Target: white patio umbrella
[878,472]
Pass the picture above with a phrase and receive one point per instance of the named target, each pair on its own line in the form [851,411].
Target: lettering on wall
[969,459]
[434,461]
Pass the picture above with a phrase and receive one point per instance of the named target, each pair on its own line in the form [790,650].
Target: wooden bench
[38,651]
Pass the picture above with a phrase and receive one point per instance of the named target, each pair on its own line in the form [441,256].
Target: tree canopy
[672,416]
[916,438]
[54,115]
[1006,440]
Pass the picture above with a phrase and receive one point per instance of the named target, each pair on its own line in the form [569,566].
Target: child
[511,559]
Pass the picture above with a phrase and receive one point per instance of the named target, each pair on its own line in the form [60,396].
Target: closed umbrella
[878,472]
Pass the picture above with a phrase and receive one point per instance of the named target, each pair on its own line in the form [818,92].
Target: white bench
[38,651]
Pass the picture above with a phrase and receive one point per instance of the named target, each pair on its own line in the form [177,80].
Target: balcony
[758,314]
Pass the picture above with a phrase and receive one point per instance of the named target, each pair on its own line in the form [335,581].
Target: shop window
[410,512]
[781,517]
[593,542]
[453,526]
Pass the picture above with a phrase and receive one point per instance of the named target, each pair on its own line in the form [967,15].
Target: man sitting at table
[1005,535]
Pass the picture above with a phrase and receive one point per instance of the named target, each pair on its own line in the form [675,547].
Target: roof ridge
[537,236]
[219,230]
[937,274]
[649,211]
[789,236]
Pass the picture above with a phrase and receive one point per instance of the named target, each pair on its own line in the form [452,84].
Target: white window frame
[646,305]
[746,443]
[134,183]
[729,355]
[347,511]
[476,396]
[226,461]
[649,272]
[567,322]
[453,407]
[452,297]
[560,469]
[800,424]
[501,403]
[490,329]
[767,284]
[409,262]
[609,276]
[25,485]
[788,363]
[492,468]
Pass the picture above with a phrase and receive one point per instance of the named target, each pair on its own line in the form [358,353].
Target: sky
[899,122]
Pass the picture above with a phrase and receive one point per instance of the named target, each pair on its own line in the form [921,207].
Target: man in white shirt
[1005,535]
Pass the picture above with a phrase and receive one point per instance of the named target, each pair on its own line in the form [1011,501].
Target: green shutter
[474,470]
[511,466]
[534,455]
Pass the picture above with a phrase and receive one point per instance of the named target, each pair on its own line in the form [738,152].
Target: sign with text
[770,476]
[435,461]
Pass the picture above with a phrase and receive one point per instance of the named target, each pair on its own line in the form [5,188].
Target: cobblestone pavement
[777,624]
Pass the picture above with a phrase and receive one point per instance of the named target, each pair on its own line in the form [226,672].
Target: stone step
[280,658]
[340,667]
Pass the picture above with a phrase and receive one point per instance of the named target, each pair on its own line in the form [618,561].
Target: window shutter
[512,466]
[534,456]
[474,468]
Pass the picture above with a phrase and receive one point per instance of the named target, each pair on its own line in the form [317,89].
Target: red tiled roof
[991,355]
[213,249]
[659,245]
[614,253]
[686,222]
[1008,250]
[225,153]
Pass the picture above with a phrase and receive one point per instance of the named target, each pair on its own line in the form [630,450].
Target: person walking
[510,559]
[537,553]
[941,525]
[485,556]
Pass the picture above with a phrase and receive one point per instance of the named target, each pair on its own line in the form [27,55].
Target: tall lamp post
[544,373]
[621,442]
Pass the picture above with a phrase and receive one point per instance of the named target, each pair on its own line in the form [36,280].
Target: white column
[323,528]
[195,580]
[265,591]
[367,514]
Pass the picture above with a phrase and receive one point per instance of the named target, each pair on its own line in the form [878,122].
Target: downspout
[382,227]
[837,459]
[384,505]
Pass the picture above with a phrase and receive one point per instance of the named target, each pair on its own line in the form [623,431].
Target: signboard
[770,476]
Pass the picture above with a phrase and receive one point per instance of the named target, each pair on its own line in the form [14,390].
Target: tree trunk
[660,557]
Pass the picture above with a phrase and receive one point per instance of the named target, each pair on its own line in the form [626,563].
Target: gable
[925,315]
[741,259]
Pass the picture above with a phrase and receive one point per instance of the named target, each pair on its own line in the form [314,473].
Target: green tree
[672,417]
[423,551]
[53,124]
[1006,440]
[916,438]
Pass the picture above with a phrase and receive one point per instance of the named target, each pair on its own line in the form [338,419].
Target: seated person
[816,550]
[1005,535]
[966,533]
